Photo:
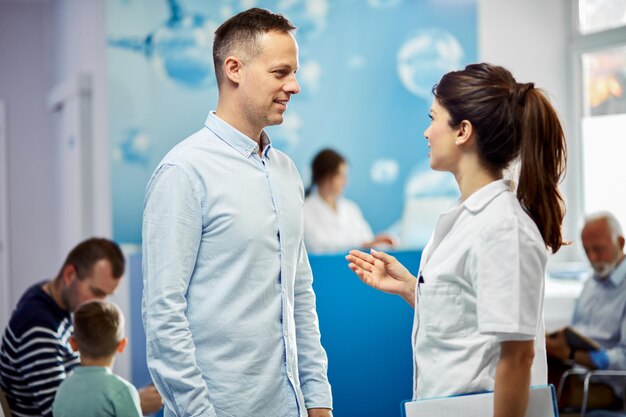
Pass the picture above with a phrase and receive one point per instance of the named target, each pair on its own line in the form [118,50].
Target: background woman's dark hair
[325,164]
[510,120]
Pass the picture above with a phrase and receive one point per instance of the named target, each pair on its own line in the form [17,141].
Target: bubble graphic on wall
[286,135]
[384,171]
[180,49]
[424,182]
[425,58]
[383,4]
[133,148]
[308,15]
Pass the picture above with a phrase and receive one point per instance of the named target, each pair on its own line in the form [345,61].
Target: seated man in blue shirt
[600,314]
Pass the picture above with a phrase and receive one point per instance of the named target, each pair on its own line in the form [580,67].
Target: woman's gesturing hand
[383,272]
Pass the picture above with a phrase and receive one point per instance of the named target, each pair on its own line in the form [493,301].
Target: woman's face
[336,183]
[444,154]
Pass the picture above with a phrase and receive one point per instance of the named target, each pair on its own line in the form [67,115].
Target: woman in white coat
[332,223]
[478,295]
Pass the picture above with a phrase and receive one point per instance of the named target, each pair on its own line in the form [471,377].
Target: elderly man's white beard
[603,269]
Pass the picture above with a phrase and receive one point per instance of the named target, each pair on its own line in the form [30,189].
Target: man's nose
[292,86]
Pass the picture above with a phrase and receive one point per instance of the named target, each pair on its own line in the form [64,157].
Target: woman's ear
[464,133]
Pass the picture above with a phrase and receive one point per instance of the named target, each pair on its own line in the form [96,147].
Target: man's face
[602,248]
[268,80]
[98,285]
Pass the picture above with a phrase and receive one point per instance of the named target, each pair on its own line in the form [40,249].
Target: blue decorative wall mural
[367,70]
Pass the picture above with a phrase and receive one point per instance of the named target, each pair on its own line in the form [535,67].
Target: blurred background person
[599,314]
[332,223]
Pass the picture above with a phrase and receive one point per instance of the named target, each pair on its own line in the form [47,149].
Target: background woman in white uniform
[478,296]
[333,223]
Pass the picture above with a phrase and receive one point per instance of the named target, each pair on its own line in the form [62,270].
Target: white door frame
[5,299]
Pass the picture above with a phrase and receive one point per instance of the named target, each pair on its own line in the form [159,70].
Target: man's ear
[232,68]
[122,345]
[69,274]
[464,133]
[73,343]
[620,242]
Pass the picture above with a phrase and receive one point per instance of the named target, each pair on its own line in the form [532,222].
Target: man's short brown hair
[98,328]
[240,35]
[87,253]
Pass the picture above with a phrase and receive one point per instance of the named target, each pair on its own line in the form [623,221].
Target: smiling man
[36,355]
[228,304]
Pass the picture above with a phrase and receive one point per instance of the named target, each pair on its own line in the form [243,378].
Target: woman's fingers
[361,274]
[361,263]
[382,256]
[361,255]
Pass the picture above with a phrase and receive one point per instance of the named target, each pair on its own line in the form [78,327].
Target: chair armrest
[591,374]
[567,374]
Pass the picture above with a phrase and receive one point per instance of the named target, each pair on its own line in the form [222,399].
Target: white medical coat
[483,283]
[327,230]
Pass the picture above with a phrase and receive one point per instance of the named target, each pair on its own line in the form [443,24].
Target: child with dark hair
[92,389]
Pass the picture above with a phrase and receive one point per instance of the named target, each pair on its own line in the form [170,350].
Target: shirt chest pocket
[441,310]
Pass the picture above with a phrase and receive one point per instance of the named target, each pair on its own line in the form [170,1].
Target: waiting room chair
[588,376]
[4,405]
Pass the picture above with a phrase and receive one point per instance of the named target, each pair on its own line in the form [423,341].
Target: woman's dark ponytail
[543,155]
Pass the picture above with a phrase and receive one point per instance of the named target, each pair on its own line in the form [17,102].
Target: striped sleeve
[33,365]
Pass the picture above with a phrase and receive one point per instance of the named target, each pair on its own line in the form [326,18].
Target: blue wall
[366,71]
[366,333]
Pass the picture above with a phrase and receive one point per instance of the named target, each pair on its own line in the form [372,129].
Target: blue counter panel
[367,336]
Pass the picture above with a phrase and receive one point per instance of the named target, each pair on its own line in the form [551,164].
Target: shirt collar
[616,277]
[480,198]
[235,138]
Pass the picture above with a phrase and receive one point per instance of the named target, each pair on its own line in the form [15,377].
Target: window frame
[581,44]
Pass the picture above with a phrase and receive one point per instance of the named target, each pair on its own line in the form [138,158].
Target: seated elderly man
[599,314]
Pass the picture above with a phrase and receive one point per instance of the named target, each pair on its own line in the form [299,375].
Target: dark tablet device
[579,341]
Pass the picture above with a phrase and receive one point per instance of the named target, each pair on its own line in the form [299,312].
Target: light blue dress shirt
[600,314]
[228,304]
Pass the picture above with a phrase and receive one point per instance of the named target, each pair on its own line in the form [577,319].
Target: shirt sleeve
[509,280]
[314,239]
[312,359]
[172,229]
[126,402]
[617,354]
[44,368]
